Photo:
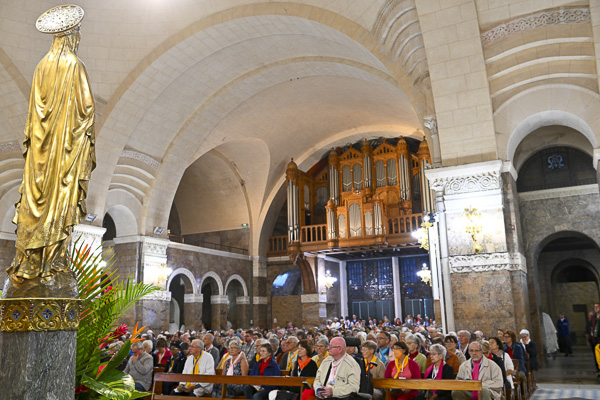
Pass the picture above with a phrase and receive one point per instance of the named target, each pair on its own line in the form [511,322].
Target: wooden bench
[224,380]
[425,384]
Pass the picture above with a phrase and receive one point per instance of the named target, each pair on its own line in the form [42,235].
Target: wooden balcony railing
[313,233]
[404,224]
[278,245]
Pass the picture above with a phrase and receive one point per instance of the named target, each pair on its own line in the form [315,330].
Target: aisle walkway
[578,370]
[547,391]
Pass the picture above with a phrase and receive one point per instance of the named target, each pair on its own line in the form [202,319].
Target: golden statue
[59,153]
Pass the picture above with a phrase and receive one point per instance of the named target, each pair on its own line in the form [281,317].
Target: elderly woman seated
[402,367]
[234,365]
[438,369]
[266,366]
[374,367]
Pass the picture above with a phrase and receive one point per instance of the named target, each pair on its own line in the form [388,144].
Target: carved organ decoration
[369,192]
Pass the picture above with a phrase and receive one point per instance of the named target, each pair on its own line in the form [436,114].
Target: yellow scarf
[257,357]
[196,369]
[368,364]
[291,360]
[400,368]
[222,363]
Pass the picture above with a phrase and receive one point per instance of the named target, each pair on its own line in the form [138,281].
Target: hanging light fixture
[425,274]
[422,235]
[474,227]
[328,282]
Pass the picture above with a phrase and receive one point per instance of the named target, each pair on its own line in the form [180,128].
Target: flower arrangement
[104,300]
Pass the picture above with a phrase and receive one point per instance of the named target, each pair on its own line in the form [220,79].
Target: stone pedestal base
[38,365]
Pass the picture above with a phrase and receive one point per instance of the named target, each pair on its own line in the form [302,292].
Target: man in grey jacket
[140,366]
[479,368]
[339,374]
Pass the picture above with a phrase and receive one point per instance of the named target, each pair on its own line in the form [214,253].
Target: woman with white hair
[438,370]
[322,347]
[413,342]
[530,348]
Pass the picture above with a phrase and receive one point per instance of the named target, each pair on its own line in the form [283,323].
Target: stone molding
[470,178]
[9,146]
[259,300]
[141,157]
[160,295]
[237,277]
[219,299]
[582,190]
[544,18]
[155,247]
[259,267]
[204,250]
[487,262]
[242,300]
[192,298]
[596,157]
[430,123]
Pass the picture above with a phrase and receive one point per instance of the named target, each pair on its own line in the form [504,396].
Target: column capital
[259,300]
[160,295]
[218,299]
[193,298]
[88,234]
[242,300]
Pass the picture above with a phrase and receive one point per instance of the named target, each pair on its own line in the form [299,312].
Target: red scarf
[413,355]
[263,365]
[509,351]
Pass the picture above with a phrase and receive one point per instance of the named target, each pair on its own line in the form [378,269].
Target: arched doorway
[180,284]
[234,290]
[208,289]
[568,276]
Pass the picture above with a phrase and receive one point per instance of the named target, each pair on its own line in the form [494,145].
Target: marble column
[259,293]
[153,310]
[90,235]
[397,288]
[192,309]
[218,309]
[243,310]
[314,309]
[479,288]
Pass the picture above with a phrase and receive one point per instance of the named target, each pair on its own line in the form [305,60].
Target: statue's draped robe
[59,158]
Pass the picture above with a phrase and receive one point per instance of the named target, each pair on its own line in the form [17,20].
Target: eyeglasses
[506,336]
[475,351]
[335,347]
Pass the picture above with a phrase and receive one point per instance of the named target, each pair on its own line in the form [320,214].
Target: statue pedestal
[38,365]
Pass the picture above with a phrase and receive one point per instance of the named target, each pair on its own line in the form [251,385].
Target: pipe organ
[366,193]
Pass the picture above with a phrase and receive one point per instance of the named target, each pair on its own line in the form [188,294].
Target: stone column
[259,293]
[89,235]
[343,289]
[192,309]
[218,309]
[483,287]
[153,310]
[243,309]
[397,288]
[314,309]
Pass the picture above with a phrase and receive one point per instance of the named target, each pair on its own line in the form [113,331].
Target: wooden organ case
[370,194]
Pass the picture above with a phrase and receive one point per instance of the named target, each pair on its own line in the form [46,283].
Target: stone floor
[568,377]
[577,370]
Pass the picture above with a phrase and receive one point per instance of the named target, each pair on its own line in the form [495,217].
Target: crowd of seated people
[343,360]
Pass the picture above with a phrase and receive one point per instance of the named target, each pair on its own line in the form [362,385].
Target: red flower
[108,289]
[81,389]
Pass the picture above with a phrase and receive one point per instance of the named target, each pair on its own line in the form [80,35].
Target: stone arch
[554,104]
[188,274]
[237,278]
[548,118]
[125,221]
[562,265]
[212,274]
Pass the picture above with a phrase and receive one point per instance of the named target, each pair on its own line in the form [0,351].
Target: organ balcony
[368,195]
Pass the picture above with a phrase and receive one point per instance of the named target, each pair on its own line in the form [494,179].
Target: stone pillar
[482,285]
[153,310]
[343,289]
[397,288]
[260,312]
[259,293]
[192,309]
[89,235]
[243,309]
[314,309]
[218,308]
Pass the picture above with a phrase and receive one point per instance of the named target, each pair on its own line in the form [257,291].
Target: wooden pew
[223,379]
[425,384]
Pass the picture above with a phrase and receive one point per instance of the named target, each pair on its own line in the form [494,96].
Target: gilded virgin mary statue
[59,153]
